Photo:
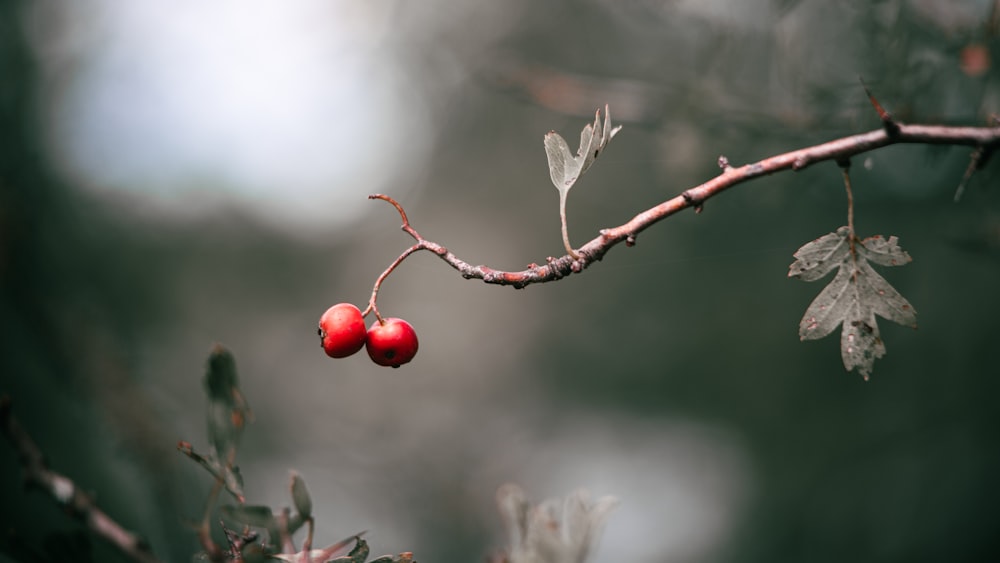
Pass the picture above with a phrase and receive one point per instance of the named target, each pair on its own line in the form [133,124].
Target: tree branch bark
[66,493]
[982,139]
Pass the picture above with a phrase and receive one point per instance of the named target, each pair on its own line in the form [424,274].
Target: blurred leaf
[357,555]
[228,412]
[562,531]
[233,480]
[251,515]
[220,374]
[295,521]
[300,495]
[856,294]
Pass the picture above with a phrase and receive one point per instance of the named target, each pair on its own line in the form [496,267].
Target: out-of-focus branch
[984,139]
[65,492]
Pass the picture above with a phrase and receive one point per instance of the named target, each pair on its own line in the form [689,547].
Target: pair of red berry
[389,342]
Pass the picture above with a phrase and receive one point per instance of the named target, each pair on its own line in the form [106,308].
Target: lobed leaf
[884,252]
[855,295]
[818,258]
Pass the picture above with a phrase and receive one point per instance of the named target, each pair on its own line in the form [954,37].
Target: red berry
[392,343]
[342,330]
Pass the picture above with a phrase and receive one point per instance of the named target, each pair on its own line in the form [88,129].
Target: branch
[981,138]
[66,493]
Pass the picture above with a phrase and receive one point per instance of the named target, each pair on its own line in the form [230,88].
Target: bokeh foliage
[107,309]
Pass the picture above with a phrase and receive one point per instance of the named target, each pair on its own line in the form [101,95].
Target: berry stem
[421,245]
[372,308]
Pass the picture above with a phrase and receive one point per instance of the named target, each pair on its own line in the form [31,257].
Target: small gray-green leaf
[861,345]
[829,308]
[855,296]
[883,299]
[257,516]
[884,252]
[565,168]
[817,258]
[300,495]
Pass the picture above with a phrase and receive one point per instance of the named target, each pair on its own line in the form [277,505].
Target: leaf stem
[565,230]
[845,168]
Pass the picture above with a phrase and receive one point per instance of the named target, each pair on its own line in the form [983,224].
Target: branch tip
[394,203]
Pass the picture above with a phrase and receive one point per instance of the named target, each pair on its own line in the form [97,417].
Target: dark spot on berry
[390,354]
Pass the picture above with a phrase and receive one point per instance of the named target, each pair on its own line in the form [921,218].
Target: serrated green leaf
[855,296]
[300,495]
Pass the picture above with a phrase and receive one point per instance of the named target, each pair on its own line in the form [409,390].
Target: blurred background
[174,175]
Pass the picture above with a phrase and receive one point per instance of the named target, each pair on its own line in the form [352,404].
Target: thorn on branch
[697,203]
[724,163]
[976,161]
[888,123]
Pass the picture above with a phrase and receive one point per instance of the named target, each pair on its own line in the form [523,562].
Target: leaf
[257,516]
[358,554]
[220,374]
[228,411]
[559,531]
[300,495]
[855,296]
[564,168]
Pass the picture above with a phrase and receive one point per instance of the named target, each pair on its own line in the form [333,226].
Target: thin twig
[987,138]
[66,493]
[975,162]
